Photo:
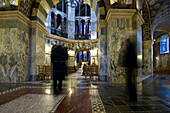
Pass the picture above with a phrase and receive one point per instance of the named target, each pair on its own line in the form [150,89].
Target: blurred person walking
[59,55]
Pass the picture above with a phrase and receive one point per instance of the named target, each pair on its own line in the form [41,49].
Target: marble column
[102,41]
[62,25]
[71,22]
[93,25]
[123,31]
[37,48]
[147,57]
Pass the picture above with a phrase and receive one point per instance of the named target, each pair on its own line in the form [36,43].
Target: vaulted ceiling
[159,10]
[154,7]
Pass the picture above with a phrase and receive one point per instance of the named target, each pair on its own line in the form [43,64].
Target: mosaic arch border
[41,8]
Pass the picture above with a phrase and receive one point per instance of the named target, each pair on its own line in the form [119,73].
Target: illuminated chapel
[118,56]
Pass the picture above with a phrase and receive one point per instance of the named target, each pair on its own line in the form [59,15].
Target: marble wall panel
[147,62]
[14,55]
[117,33]
[103,57]
[40,48]
[139,46]
[139,49]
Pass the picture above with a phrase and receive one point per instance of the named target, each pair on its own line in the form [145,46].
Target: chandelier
[80,45]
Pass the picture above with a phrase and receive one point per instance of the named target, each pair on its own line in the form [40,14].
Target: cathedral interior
[115,48]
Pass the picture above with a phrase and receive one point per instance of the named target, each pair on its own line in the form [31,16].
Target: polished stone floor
[80,95]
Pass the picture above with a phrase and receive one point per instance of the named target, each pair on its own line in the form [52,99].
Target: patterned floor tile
[31,103]
[97,105]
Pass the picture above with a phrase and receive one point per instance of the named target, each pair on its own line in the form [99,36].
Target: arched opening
[59,25]
[164,44]
[83,57]
[65,27]
[76,29]
[82,28]
[53,25]
[88,29]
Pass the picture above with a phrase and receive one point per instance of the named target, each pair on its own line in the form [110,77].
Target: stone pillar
[93,25]
[48,26]
[102,41]
[123,30]
[71,22]
[62,25]
[85,9]
[147,57]
[37,48]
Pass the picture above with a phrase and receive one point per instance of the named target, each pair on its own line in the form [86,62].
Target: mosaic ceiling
[154,7]
[163,18]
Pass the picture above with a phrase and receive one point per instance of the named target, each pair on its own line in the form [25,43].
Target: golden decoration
[152,2]
[157,6]
[153,13]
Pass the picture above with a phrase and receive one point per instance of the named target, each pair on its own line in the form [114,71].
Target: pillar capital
[138,18]
[15,15]
[37,25]
[150,42]
[102,23]
[120,13]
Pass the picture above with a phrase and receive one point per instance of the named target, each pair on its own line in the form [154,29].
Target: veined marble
[14,55]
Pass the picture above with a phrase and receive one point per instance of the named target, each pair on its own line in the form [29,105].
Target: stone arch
[146,26]
[43,7]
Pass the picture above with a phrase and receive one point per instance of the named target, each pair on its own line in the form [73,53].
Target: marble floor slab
[32,103]
[85,95]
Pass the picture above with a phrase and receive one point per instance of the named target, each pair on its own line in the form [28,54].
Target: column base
[103,78]
[33,77]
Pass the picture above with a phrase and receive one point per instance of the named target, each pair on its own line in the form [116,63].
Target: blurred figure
[128,59]
[84,69]
[59,56]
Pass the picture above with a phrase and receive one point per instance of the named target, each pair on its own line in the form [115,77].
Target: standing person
[128,59]
[59,56]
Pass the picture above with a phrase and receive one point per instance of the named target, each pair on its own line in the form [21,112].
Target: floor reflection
[90,95]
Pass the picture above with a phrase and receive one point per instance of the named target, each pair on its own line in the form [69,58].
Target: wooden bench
[161,70]
[41,72]
[71,70]
[91,71]
[48,72]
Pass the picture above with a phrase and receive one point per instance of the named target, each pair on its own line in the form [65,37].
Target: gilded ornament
[153,13]
[152,2]
[157,6]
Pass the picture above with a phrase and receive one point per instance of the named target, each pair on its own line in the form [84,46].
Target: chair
[87,71]
[94,71]
[48,72]
[41,72]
